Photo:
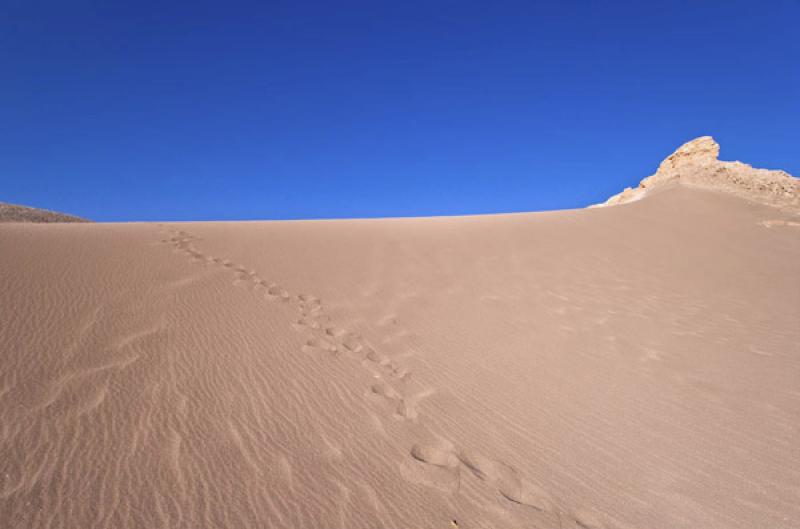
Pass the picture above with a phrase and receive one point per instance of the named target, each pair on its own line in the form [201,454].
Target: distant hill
[15,213]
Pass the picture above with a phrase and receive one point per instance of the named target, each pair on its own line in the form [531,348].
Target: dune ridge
[16,213]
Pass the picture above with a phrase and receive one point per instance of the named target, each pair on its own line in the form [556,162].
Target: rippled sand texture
[628,367]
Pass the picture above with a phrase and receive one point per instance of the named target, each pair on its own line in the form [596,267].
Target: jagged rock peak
[696,164]
[700,150]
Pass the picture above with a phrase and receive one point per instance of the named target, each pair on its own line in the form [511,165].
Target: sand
[636,366]
[17,213]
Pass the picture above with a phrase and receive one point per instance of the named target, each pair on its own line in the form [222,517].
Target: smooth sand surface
[627,367]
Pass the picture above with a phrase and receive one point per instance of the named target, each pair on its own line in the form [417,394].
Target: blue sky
[283,110]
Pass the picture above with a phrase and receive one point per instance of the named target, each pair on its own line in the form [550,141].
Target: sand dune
[627,367]
[15,213]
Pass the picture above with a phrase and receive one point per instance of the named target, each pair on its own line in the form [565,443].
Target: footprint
[316,344]
[406,409]
[352,342]
[321,319]
[403,407]
[506,480]
[435,456]
[334,332]
[310,307]
[432,467]
[402,374]
[274,291]
[306,322]
[309,301]
[379,358]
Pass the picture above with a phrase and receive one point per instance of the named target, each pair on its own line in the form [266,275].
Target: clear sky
[281,110]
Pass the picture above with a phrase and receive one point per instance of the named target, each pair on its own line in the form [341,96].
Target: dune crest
[17,213]
[696,164]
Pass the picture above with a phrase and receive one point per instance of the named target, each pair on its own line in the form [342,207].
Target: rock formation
[696,164]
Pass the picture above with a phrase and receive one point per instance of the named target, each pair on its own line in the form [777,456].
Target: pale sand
[631,367]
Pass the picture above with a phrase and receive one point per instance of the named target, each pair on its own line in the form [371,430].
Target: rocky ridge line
[696,164]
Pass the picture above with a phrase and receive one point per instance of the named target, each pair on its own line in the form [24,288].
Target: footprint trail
[438,467]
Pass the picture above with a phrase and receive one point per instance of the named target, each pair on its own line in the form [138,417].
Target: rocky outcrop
[696,164]
[14,213]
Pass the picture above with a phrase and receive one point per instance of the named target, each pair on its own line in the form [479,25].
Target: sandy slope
[16,213]
[635,366]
